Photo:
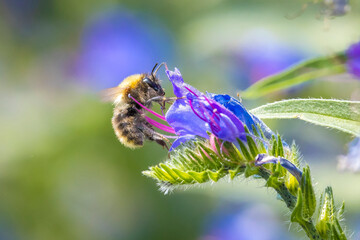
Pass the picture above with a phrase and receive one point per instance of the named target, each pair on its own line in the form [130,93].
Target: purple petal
[181,140]
[231,127]
[180,88]
[353,63]
[264,159]
[236,107]
[184,121]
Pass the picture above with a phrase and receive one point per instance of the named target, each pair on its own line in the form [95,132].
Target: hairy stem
[310,230]
[290,201]
[282,190]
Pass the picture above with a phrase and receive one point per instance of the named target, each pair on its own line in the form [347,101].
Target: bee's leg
[161,101]
[152,135]
[162,143]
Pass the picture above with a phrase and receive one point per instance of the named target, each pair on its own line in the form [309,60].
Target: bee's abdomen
[124,123]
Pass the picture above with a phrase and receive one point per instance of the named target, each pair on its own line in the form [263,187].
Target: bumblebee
[131,98]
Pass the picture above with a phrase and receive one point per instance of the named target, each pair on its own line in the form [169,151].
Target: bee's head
[154,84]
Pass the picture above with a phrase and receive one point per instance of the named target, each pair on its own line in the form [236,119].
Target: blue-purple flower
[353,62]
[197,114]
[351,161]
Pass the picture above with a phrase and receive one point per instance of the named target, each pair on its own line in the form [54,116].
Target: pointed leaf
[339,114]
[184,176]
[199,177]
[308,194]
[215,176]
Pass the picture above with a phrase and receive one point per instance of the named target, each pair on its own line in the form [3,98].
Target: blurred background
[63,173]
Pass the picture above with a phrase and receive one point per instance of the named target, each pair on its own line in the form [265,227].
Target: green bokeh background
[64,175]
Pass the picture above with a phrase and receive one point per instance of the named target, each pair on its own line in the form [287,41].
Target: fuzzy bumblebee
[131,97]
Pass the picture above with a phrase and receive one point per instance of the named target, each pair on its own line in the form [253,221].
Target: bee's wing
[110,94]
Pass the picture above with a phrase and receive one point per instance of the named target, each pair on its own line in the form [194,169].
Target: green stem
[310,230]
[282,190]
[290,201]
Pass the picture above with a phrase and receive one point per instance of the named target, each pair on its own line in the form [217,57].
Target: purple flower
[195,114]
[351,161]
[353,62]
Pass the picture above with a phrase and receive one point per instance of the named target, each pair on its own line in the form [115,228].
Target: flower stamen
[196,113]
[191,91]
[160,125]
[147,109]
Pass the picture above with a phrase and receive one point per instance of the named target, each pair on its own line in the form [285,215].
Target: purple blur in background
[353,63]
[351,162]
[116,44]
[247,221]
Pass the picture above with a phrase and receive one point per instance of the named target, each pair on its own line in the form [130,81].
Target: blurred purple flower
[248,221]
[353,62]
[117,44]
[336,7]
[194,114]
[351,161]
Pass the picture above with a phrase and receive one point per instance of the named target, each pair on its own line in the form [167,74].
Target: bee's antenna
[157,69]
[152,71]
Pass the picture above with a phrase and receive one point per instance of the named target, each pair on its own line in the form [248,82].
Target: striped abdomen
[125,121]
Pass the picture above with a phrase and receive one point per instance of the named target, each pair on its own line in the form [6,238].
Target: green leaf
[326,207]
[235,172]
[339,114]
[215,176]
[245,151]
[184,176]
[302,72]
[308,194]
[296,215]
[199,177]
[252,146]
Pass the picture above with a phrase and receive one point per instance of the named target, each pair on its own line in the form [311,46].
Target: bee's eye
[151,84]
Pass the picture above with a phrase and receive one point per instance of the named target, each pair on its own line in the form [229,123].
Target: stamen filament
[197,114]
[209,102]
[160,125]
[191,91]
[147,109]
[212,121]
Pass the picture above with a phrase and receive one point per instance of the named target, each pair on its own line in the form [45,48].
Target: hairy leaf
[339,114]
